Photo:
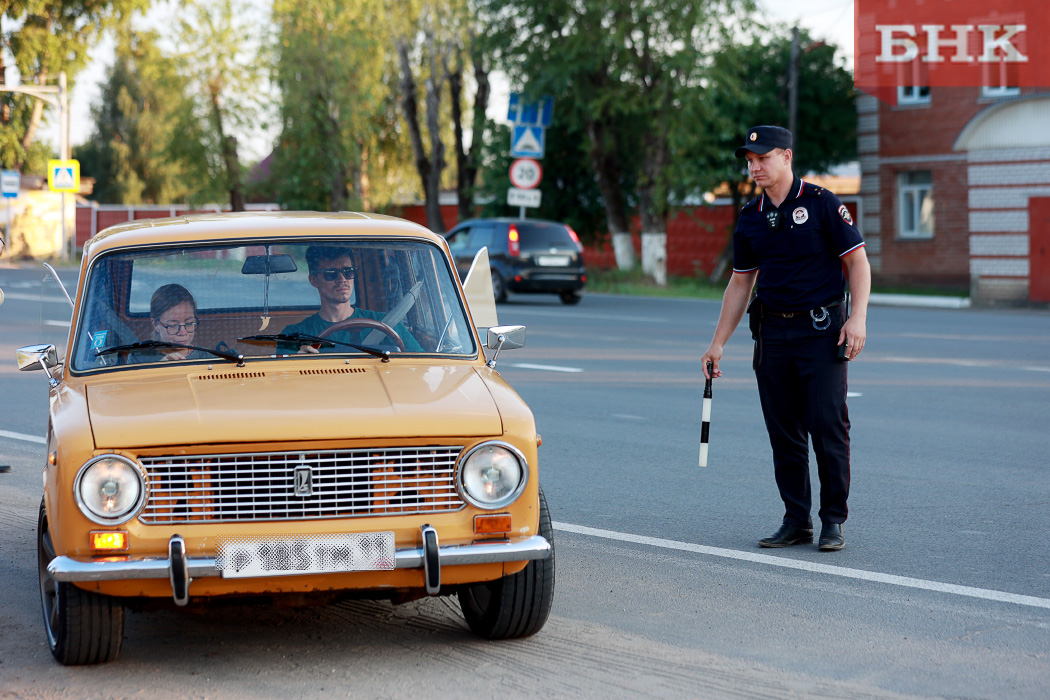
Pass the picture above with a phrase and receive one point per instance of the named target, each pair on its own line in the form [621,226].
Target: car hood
[394,401]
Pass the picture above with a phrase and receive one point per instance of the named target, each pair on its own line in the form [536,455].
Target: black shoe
[831,539]
[788,535]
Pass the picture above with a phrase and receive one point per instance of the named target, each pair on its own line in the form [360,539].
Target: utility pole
[793,82]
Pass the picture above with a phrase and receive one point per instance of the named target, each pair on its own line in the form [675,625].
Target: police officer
[799,242]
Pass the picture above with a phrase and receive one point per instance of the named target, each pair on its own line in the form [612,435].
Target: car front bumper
[182,569]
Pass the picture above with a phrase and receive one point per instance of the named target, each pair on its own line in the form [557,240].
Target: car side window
[480,237]
[457,240]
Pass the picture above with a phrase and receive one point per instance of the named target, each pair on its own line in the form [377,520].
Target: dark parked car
[525,255]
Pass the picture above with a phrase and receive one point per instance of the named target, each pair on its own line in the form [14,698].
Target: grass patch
[635,283]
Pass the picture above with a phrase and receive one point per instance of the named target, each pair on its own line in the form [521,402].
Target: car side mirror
[500,337]
[43,357]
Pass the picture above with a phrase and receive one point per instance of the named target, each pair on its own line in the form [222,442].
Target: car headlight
[492,475]
[109,489]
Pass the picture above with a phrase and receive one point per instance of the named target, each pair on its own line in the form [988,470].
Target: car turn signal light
[109,541]
[495,524]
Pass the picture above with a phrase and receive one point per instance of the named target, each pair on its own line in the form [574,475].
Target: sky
[830,20]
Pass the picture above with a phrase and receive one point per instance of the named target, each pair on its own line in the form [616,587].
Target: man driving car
[333,274]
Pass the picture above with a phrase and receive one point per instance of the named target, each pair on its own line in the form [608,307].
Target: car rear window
[541,235]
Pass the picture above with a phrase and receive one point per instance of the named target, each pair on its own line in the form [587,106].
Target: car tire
[82,627]
[570,297]
[517,605]
[499,287]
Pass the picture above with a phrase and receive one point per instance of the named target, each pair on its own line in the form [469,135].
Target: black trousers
[802,386]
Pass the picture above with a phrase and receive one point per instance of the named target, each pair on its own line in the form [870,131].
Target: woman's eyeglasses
[331,274]
[173,328]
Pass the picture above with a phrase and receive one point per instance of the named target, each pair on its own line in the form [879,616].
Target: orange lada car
[284,404]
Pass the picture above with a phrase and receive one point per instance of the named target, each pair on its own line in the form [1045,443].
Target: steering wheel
[364,323]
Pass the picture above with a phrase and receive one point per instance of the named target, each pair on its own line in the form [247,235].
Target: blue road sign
[521,113]
[527,142]
[10,180]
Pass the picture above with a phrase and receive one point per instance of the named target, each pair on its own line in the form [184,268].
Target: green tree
[220,58]
[46,38]
[628,67]
[131,152]
[748,85]
[329,69]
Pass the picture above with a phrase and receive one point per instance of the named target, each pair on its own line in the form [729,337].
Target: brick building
[954,184]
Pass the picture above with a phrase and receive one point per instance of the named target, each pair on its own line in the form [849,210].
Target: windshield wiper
[304,339]
[147,344]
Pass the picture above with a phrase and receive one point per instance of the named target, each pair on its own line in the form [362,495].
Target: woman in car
[173,312]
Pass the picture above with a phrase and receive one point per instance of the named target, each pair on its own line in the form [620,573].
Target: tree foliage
[140,119]
[329,70]
[627,69]
[46,38]
[220,59]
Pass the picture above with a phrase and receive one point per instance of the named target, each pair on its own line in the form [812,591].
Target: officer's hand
[853,334]
[713,355]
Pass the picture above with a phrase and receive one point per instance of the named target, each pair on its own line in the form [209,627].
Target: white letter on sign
[1012,55]
[934,43]
[911,49]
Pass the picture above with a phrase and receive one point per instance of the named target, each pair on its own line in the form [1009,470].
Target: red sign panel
[950,42]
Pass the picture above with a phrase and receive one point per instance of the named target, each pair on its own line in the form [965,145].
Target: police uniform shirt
[799,263]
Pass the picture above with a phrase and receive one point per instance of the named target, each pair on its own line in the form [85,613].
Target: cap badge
[800,215]
[754,135]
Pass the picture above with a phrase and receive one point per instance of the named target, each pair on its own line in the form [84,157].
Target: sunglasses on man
[331,274]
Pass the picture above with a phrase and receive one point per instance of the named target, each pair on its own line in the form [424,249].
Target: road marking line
[628,416]
[549,368]
[61,324]
[1037,369]
[36,297]
[23,436]
[853,394]
[829,569]
[593,316]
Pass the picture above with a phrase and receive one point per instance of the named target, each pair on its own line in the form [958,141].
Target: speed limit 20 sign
[525,173]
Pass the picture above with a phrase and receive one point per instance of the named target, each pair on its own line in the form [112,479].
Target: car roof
[510,220]
[254,225]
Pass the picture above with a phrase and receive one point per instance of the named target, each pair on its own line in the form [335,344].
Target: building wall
[980,195]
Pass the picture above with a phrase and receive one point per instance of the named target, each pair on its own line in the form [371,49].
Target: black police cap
[763,139]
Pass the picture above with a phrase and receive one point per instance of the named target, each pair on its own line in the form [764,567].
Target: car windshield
[270,298]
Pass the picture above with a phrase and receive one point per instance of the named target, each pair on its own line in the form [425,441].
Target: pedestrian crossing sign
[63,175]
[527,142]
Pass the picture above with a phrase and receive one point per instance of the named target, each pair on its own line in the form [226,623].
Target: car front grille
[300,485]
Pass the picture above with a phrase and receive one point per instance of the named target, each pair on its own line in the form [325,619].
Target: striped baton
[705,428]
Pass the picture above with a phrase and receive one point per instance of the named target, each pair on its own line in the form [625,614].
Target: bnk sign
[950,42]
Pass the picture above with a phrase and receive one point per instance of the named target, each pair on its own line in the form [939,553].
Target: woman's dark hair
[168,296]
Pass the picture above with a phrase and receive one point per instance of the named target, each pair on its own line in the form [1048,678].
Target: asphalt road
[943,589]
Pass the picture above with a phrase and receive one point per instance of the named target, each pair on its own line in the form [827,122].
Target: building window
[913,94]
[915,204]
[999,79]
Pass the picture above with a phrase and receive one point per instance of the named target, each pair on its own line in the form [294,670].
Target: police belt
[766,310]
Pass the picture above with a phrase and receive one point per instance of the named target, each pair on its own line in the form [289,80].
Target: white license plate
[552,260]
[305,554]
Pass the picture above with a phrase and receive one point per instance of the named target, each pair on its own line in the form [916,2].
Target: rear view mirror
[43,357]
[36,357]
[268,264]
[500,337]
[506,337]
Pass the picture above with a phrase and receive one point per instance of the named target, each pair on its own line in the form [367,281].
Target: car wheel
[499,288]
[516,605]
[82,627]
[570,297]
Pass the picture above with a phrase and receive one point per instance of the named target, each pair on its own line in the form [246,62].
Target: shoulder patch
[815,190]
[844,213]
[752,203]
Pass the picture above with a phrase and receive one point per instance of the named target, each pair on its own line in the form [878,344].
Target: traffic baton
[705,427]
